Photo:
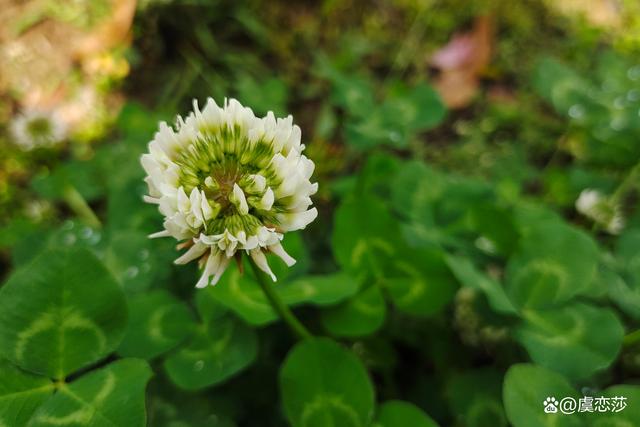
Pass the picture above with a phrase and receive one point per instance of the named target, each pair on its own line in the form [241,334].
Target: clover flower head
[227,181]
[594,205]
[37,128]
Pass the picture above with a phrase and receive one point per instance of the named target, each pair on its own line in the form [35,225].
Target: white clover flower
[592,204]
[37,128]
[227,181]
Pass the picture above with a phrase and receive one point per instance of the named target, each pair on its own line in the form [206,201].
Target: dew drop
[68,225]
[486,245]
[618,124]
[146,267]
[95,238]
[633,73]
[198,366]
[619,103]
[131,272]
[576,111]
[69,239]
[86,233]
[144,254]
[394,136]
[633,95]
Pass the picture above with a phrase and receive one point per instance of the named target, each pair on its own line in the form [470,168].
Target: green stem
[80,207]
[624,186]
[631,339]
[278,305]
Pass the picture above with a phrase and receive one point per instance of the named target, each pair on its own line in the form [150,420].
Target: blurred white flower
[594,205]
[37,128]
[227,181]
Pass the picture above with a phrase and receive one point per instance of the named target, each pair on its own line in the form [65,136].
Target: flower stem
[631,339]
[80,207]
[626,183]
[278,305]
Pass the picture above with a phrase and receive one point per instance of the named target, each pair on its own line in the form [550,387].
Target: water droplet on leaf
[69,239]
[618,123]
[86,232]
[394,136]
[634,73]
[576,111]
[131,272]
[95,238]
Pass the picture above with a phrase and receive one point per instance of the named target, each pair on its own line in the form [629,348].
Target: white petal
[587,200]
[224,262]
[210,268]
[306,167]
[279,250]
[163,233]
[212,114]
[210,240]
[207,211]
[261,261]
[252,243]
[231,249]
[263,235]
[152,200]
[299,220]
[314,188]
[267,200]
[209,182]
[194,252]
[183,200]
[294,138]
[259,183]
[196,204]
[239,200]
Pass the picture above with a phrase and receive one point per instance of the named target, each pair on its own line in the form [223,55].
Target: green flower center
[216,161]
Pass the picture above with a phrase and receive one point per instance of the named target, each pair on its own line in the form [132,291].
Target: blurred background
[538,100]
[512,76]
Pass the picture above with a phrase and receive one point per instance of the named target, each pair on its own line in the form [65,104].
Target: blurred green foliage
[449,278]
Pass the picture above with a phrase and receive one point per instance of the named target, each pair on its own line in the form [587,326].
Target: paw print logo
[550,405]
